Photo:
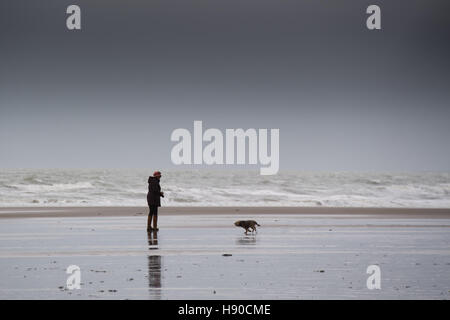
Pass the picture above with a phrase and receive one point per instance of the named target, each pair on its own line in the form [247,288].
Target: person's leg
[155,218]
[149,221]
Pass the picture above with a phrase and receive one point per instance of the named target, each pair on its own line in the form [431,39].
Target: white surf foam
[224,188]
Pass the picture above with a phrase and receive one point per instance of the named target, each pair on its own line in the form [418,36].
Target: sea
[128,187]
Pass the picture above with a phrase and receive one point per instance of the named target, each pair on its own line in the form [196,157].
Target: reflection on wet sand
[246,240]
[154,266]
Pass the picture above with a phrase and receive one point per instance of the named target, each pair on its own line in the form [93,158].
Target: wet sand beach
[60,212]
[298,253]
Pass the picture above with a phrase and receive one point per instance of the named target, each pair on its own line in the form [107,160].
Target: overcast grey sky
[110,95]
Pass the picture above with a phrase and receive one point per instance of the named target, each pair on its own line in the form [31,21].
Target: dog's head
[238,223]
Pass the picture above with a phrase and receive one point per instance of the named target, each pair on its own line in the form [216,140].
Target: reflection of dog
[246,240]
[247,224]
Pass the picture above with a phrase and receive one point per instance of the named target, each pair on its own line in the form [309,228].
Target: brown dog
[247,224]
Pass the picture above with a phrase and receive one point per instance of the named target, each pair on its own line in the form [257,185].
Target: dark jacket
[154,192]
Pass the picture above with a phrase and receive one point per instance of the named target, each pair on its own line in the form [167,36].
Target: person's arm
[161,194]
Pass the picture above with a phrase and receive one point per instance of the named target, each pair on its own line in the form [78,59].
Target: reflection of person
[154,200]
[154,266]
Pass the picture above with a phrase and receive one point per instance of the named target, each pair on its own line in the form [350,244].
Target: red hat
[157,174]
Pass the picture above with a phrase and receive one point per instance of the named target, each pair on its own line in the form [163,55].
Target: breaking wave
[224,188]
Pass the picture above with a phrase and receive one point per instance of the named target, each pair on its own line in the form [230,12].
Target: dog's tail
[258,224]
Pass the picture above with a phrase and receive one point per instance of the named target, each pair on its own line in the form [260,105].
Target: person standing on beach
[154,200]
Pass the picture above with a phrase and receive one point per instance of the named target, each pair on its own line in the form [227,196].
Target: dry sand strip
[48,212]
